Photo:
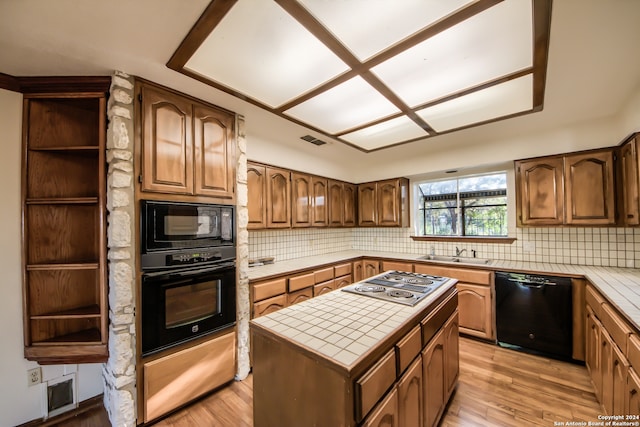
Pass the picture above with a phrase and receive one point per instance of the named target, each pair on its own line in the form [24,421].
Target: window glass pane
[482,210]
[439,187]
[484,182]
[485,216]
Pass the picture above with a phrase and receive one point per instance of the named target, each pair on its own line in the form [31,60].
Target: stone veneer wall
[119,373]
[242,259]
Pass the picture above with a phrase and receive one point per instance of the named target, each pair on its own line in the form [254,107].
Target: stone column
[242,260]
[119,373]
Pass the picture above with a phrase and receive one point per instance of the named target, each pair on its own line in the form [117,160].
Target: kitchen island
[342,359]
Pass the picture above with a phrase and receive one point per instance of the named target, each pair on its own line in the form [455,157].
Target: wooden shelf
[87,312]
[64,227]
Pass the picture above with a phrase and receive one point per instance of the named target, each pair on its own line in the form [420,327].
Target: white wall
[20,403]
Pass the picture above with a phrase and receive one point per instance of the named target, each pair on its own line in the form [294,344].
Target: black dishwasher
[534,313]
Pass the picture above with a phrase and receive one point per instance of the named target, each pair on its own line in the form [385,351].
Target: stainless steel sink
[460,259]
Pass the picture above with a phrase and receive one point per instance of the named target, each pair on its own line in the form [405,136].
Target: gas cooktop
[398,286]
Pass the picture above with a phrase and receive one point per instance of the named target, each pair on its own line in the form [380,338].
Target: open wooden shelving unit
[64,231]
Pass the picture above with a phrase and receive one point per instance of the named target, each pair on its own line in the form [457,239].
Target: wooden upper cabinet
[214,152]
[256,200]
[319,202]
[187,147]
[367,204]
[349,203]
[167,159]
[384,203]
[335,203]
[540,198]
[278,198]
[630,182]
[301,200]
[590,197]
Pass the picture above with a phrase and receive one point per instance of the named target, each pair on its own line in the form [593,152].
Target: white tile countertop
[343,327]
[621,286]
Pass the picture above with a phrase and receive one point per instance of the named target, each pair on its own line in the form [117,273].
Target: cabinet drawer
[479,277]
[174,380]
[343,281]
[269,289]
[343,269]
[633,352]
[300,282]
[616,326]
[269,305]
[374,384]
[439,315]
[594,300]
[408,348]
[323,275]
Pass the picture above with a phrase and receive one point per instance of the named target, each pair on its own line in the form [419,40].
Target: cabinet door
[324,287]
[269,305]
[342,281]
[540,191]
[632,400]
[410,396]
[386,413]
[256,200]
[214,152]
[278,198]
[167,158]
[358,271]
[475,306]
[433,378]
[370,268]
[620,368]
[367,205]
[589,188]
[349,197]
[389,203]
[606,371]
[630,187]
[451,352]
[301,200]
[592,351]
[299,296]
[320,196]
[335,203]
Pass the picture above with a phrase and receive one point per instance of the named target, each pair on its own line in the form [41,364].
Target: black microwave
[178,233]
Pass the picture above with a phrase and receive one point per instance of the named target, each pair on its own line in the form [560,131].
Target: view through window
[465,206]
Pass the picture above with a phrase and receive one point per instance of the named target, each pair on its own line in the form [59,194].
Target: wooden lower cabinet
[632,400]
[342,281]
[475,305]
[269,305]
[370,267]
[178,378]
[451,352]
[358,271]
[299,296]
[433,374]
[395,265]
[592,351]
[410,400]
[324,287]
[386,413]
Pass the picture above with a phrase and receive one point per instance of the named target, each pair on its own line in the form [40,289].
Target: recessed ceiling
[345,69]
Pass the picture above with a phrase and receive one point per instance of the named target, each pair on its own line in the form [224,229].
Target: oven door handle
[189,273]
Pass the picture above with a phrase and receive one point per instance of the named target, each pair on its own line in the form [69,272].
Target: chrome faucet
[459,251]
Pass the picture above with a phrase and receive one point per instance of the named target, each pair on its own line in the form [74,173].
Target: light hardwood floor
[497,388]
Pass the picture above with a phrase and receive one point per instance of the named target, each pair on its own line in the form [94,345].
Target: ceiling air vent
[313,140]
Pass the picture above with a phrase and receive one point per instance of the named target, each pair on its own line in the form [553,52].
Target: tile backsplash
[609,247]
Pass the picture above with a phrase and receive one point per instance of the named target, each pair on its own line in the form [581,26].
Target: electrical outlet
[34,376]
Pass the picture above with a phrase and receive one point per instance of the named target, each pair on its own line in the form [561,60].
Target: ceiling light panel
[487,46]
[386,133]
[261,51]
[348,105]
[367,27]
[512,97]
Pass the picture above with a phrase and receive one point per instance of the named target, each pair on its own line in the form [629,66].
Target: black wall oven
[188,272]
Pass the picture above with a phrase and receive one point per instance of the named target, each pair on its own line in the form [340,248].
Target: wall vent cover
[61,395]
[313,140]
